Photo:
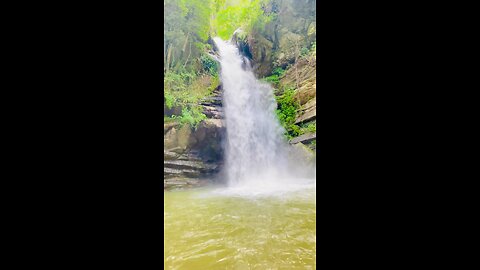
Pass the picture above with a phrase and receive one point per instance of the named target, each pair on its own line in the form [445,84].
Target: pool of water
[212,228]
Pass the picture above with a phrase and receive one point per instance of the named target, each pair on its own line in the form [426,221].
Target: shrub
[185,89]
[286,112]
[312,127]
[192,115]
[277,73]
[209,64]
[169,99]
[304,51]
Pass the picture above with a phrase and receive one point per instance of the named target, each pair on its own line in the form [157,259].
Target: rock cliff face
[286,42]
[193,156]
[279,44]
[303,77]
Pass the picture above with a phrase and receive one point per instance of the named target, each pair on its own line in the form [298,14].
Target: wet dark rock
[214,46]
[213,112]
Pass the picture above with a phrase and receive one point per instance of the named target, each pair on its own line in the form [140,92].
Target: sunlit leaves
[240,14]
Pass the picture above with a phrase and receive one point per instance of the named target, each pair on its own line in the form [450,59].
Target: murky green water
[205,230]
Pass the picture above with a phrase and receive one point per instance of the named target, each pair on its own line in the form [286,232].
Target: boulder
[192,155]
[261,50]
[177,136]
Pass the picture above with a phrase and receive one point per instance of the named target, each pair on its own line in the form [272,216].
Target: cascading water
[256,153]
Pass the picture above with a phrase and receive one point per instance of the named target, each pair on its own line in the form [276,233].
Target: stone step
[184,164]
[170,172]
[215,108]
[167,155]
[213,98]
[214,104]
[214,112]
[305,138]
[216,100]
[181,182]
[307,115]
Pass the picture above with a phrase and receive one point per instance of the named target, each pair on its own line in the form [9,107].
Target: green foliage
[245,14]
[177,81]
[286,112]
[169,99]
[192,115]
[312,127]
[277,74]
[186,30]
[273,79]
[304,51]
[185,90]
[167,119]
[209,65]
[278,71]
[307,128]
[294,131]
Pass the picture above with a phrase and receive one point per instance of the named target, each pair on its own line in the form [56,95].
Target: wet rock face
[208,140]
[240,39]
[193,153]
[262,50]
[187,165]
[281,40]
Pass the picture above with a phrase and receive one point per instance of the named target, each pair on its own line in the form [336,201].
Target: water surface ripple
[207,230]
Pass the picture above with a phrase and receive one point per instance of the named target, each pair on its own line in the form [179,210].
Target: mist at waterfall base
[258,160]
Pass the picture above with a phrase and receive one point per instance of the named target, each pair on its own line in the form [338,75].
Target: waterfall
[256,152]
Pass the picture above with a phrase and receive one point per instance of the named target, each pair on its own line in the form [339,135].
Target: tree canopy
[188,24]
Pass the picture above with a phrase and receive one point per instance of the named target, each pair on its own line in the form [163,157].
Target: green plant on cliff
[191,115]
[209,65]
[184,91]
[310,127]
[286,112]
[169,99]
[304,51]
[277,74]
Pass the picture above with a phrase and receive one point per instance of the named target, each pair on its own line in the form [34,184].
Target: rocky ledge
[193,156]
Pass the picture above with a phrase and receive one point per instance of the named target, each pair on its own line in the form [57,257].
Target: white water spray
[257,156]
